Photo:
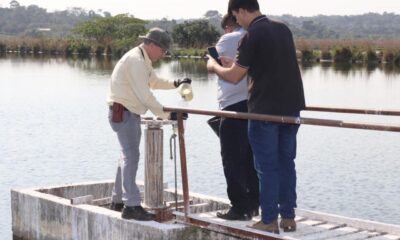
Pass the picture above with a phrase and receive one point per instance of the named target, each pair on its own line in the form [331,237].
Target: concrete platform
[47,213]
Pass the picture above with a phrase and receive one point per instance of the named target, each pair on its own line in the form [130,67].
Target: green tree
[198,34]
[121,30]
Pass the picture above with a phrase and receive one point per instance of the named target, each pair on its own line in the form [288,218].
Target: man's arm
[156,82]
[230,71]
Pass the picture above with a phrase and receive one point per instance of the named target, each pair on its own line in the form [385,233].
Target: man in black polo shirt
[267,54]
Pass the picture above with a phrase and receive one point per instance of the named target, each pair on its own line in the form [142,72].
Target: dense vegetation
[366,26]
[25,21]
[198,34]
[375,37]
[107,33]
[35,21]
[350,51]
[96,34]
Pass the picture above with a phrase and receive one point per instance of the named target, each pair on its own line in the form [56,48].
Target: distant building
[43,29]
[14,4]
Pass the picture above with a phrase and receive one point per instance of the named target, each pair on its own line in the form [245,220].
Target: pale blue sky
[174,9]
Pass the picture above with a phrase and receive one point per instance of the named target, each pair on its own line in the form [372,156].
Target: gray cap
[159,37]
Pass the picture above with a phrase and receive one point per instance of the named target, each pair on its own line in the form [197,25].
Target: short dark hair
[228,20]
[249,5]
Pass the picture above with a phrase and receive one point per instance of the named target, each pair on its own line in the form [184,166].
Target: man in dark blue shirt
[267,54]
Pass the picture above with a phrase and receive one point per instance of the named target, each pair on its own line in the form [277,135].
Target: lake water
[54,130]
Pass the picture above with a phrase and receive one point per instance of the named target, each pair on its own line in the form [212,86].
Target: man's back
[275,81]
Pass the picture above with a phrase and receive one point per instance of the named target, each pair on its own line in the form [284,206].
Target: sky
[176,9]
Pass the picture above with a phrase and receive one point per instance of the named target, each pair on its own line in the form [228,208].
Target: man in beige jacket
[129,96]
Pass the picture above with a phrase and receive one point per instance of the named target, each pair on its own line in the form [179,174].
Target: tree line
[365,26]
[77,31]
[18,20]
[89,32]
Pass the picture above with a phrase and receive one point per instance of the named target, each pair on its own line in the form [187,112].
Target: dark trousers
[237,159]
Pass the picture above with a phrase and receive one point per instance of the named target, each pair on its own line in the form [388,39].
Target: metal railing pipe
[286,119]
[354,110]
[260,117]
[182,151]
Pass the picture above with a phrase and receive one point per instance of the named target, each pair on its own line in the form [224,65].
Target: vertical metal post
[182,150]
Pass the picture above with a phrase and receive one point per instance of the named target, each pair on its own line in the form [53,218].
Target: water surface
[54,130]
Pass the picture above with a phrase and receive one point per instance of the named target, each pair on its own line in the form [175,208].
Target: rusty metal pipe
[354,110]
[285,119]
[182,151]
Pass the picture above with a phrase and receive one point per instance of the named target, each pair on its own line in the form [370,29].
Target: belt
[111,106]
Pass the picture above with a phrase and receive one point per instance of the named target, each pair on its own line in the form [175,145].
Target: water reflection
[345,68]
[190,66]
[100,64]
[390,69]
[372,66]
[16,58]
[351,69]
[105,64]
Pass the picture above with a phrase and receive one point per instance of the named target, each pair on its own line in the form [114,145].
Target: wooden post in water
[153,183]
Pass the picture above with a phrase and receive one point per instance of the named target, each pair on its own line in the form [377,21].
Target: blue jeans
[274,151]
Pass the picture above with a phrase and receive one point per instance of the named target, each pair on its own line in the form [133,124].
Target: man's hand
[228,71]
[226,61]
[210,63]
[178,82]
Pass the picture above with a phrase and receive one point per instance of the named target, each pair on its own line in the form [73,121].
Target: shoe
[288,224]
[270,227]
[137,213]
[232,215]
[116,206]
[255,212]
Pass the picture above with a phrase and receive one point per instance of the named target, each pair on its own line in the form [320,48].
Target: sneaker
[288,224]
[232,215]
[270,227]
[116,206]
[137,213]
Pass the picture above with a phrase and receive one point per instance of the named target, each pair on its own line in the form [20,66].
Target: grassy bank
[67,47]
[349,51]
[346,51]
